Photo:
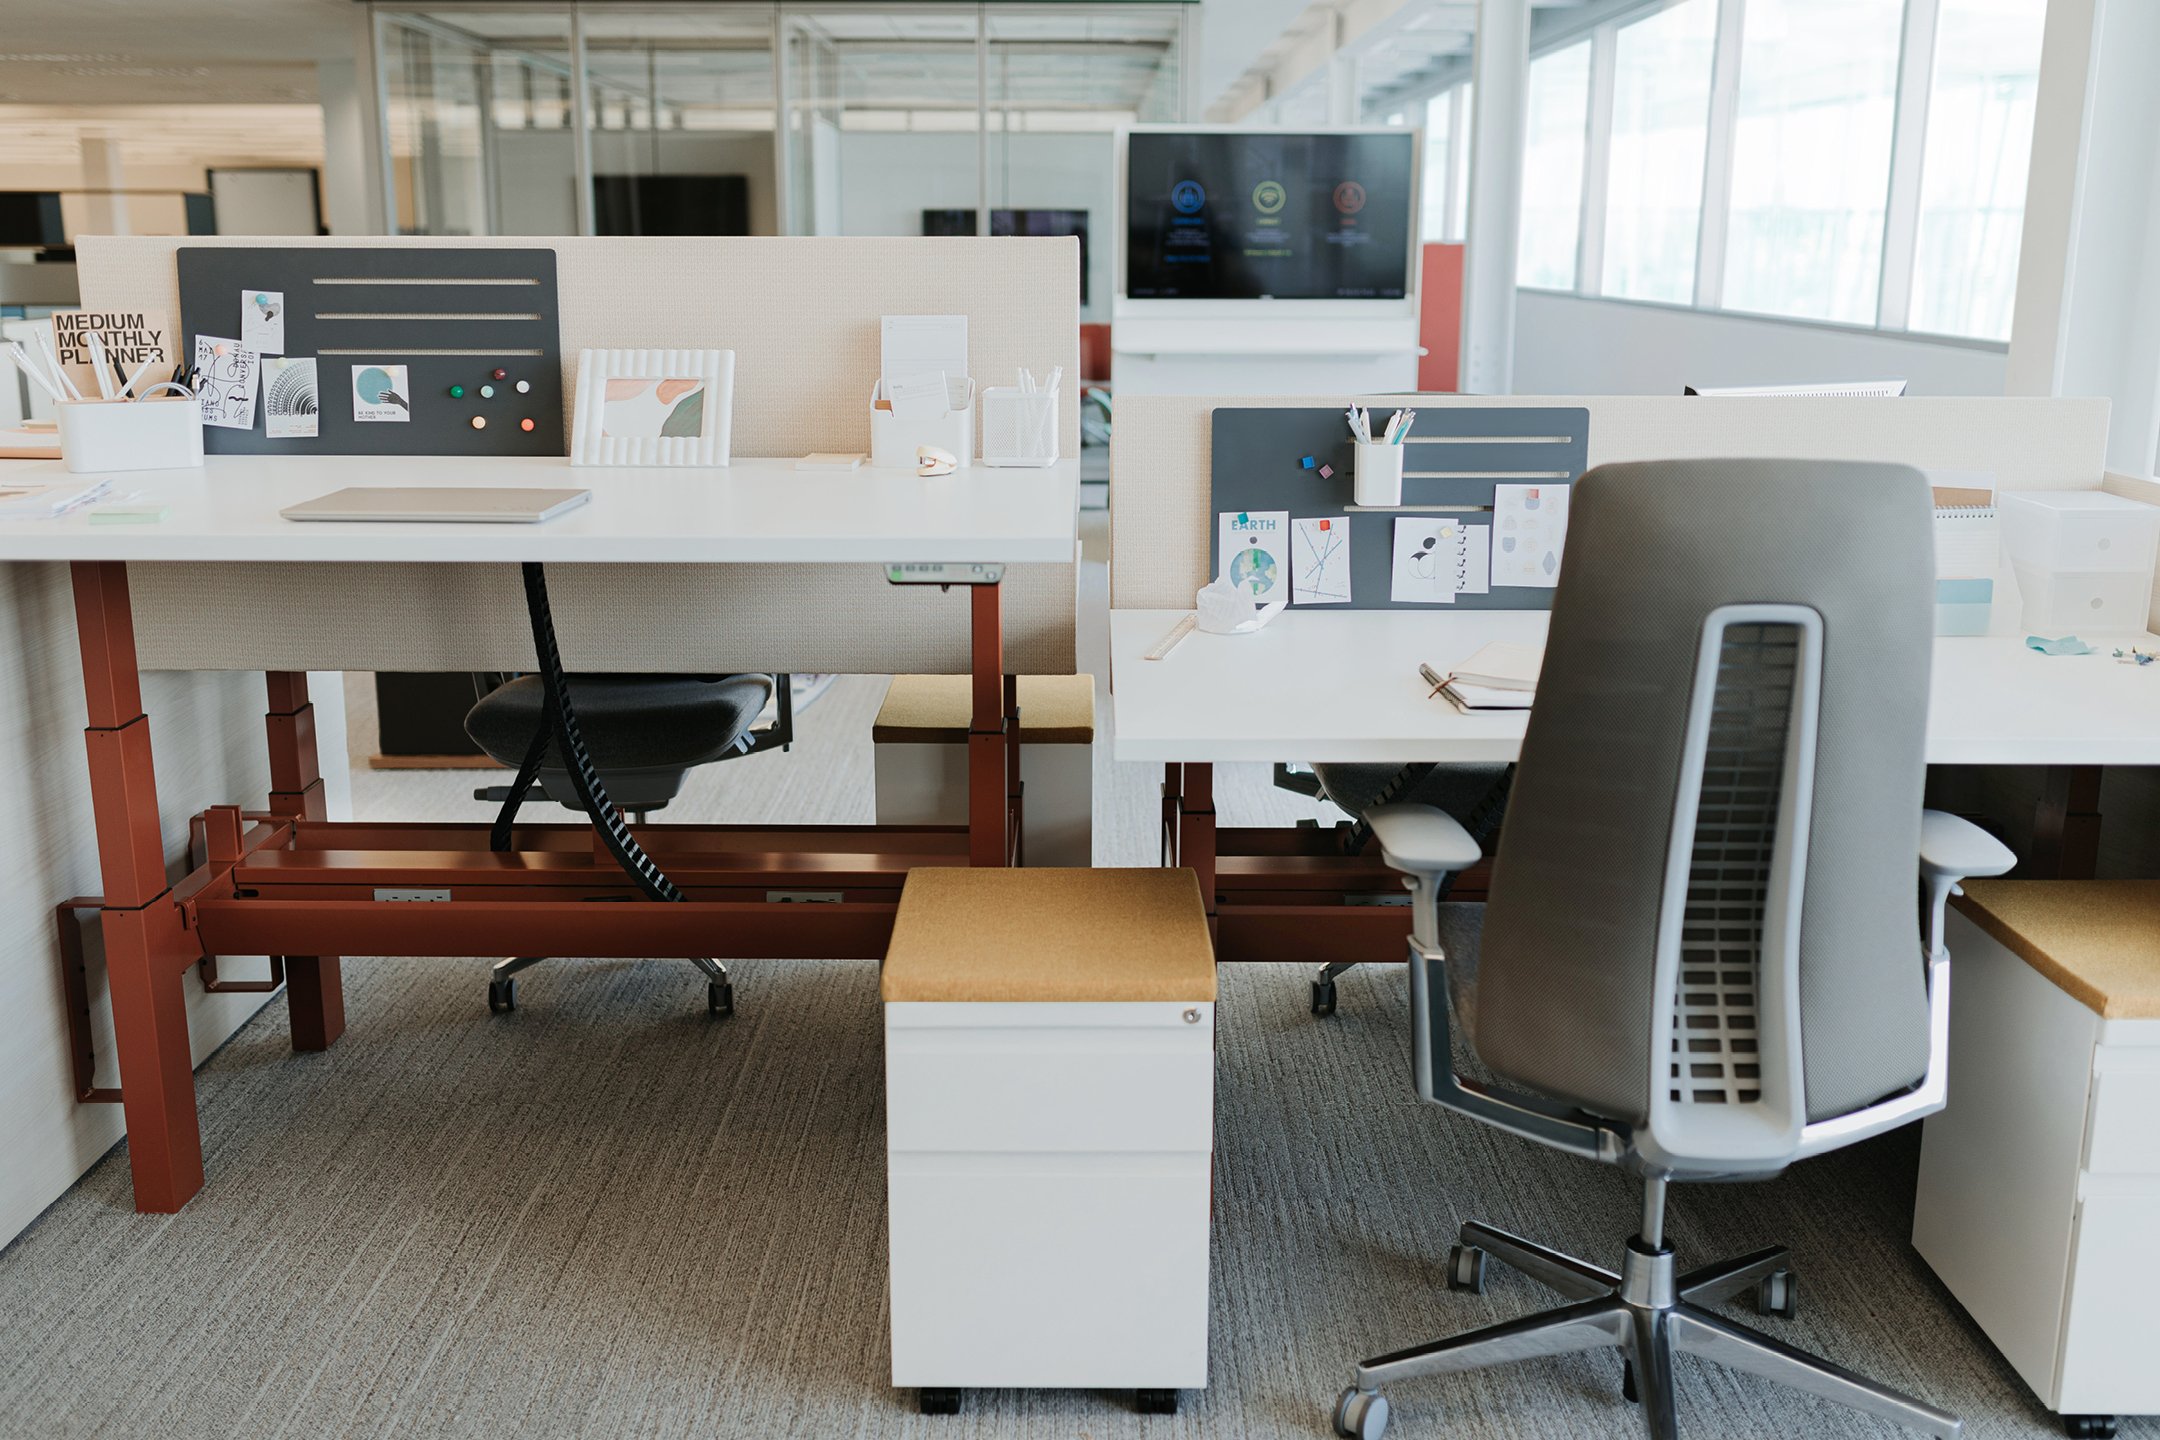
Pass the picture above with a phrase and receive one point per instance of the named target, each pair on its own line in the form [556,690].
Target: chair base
[502,984]
[1648,1315]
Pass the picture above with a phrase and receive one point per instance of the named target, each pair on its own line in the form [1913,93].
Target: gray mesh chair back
[1702,920]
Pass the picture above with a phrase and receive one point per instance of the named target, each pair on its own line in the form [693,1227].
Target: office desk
[286,882]
[1318,686]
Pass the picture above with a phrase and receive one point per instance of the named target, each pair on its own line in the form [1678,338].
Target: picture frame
[653,407]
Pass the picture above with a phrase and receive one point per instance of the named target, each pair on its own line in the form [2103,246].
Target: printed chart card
[1430,566]
[1529,531]
[379,393]
[226,373]
[290,408]
[1320,561]
[262,321]
[1254,546]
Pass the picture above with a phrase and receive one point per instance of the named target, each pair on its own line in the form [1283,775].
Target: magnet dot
[479,422]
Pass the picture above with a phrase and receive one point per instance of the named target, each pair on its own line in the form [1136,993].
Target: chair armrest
[1420,840]
[1951,849]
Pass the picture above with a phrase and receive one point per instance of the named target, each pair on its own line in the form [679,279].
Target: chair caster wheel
[938,1400]
[1361,1414]
[1155,1402]
[1323,998]
[1628,1392]
[502,996]
[1466,1269]
[2079,1427]
[1778,1293]
[719,999]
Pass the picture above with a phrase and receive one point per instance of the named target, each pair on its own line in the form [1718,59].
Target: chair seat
[630,722]
[1454,789]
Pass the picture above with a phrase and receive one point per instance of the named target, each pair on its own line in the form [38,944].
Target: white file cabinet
[2039,1195]
[920,760]
[1049,1096]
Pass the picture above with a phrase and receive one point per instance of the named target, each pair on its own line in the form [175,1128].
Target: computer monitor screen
[1017,222]
[30,217]
[1253,215]
[1833,390]
[671,204]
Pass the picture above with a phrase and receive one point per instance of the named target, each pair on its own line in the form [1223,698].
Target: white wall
[210,748]
[537,174]
[1571,345]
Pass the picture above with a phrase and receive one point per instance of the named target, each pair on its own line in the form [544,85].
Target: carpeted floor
[606,1215]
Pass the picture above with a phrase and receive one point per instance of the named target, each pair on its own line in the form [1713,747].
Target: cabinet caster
[938,1400]
[1628,1392]
[720,1001]
[1155,1402]
[1778,1293]
[1323,998]
[1361,1414]
[2080,1427]
[502,996]
[1466,1269]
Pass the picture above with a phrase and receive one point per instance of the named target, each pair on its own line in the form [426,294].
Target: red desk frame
[288,883]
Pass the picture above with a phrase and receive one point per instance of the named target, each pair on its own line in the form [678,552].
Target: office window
[1811,157]
[1436,187]
[1660,124]
[1557,131]
[1459,217]
[1972,182]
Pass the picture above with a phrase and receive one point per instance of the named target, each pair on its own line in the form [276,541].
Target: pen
[1433,678]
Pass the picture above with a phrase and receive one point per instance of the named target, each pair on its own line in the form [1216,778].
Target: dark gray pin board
[400,312]
[1256,466]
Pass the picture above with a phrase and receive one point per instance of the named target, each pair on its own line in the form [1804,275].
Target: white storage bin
[2085,603]
[894,439]
[2079,530]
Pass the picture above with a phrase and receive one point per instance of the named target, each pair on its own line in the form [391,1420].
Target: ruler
[1170,641]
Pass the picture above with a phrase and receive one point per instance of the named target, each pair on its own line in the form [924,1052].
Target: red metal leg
[1013,787]
[314,984]
[1196,831]
[989,819]
[146,951]
[2066,824]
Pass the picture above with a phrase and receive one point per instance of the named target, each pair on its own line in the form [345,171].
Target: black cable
[528,771]
[584,779]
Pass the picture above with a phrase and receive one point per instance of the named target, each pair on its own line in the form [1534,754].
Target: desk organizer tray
[449,316]
[1454,459]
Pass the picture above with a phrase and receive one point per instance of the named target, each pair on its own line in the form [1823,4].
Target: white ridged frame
[708,447]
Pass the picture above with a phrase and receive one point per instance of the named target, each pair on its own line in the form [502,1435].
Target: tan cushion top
[1048,934]
[2097,940]
[933,710]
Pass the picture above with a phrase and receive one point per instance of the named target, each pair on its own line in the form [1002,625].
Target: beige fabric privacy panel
[672,618]
[800,314]
[1160,454]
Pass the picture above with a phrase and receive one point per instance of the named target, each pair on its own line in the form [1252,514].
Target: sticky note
[1327,472]
[1307,462]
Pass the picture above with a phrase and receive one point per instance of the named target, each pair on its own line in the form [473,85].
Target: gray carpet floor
[605,1215]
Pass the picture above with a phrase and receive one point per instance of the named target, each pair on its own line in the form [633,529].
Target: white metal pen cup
[1377,474]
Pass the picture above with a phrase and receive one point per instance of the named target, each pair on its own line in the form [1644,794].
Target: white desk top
[762,511]
[1345,687]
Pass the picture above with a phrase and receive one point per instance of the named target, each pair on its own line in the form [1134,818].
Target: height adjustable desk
[286,882]
[1276,894]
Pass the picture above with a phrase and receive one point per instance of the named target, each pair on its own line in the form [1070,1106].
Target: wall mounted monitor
[671,205]
[1269,214]
[1017,222]
[31,218]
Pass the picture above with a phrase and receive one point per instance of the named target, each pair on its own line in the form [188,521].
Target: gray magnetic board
[408,324]
[1455,457]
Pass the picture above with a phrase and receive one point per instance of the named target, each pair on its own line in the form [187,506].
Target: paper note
[1529,532]
[1429,560]
[290,405]
[262,321]
[380,393]
[1253,546]
[913,345]
[1476,575]
[130,337]
[226,373]
[1320,561]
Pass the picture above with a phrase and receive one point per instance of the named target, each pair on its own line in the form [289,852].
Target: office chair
[645,733]
[1702,958]
[1476,795]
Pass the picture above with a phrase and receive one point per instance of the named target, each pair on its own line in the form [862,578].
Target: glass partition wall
[745,118]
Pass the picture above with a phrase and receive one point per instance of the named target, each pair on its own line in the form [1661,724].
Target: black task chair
[1474,795]
[645,734]
[1704,955]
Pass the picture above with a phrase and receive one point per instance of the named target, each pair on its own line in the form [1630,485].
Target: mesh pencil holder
[1019,427]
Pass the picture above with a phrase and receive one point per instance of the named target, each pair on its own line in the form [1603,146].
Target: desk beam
[147,952]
